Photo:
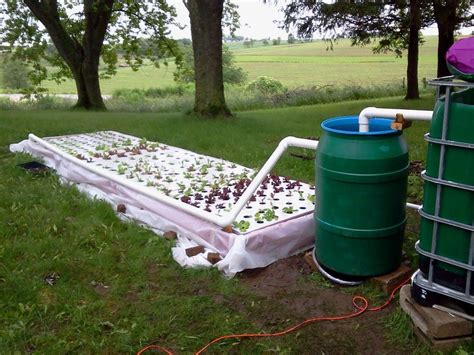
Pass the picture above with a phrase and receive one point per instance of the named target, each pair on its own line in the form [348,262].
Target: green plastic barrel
[361,183]
[456,204]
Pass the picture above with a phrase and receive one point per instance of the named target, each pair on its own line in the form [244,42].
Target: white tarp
[260,245]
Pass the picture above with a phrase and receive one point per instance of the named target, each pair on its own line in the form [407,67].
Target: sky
[257,21]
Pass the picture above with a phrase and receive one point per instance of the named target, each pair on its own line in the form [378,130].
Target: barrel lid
[350,125]
[460,60]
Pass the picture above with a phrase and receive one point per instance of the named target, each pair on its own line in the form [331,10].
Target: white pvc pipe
[411,115]
[413,205]
[222,221]
[329,276]
[284,144]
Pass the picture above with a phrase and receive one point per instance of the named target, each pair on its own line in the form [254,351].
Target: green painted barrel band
[364,178]
[364,257]
[362,233]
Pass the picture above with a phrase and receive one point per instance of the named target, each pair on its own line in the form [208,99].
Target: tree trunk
[97,16]
[413,42]
[82,97]
[88,88]
[446,19]
[445,40]
[82,59]
[206,33]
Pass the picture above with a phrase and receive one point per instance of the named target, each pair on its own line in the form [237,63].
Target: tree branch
[47,13]
[97,16]
[146,21]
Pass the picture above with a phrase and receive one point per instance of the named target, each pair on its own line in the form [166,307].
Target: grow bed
[275,223]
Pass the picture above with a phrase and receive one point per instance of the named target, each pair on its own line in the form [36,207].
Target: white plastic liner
[261,244]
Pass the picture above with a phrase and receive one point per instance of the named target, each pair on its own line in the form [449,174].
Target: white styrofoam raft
[277,224]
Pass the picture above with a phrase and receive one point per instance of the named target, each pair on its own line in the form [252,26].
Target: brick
[170,235]
[121,208]
[308,258]
[433,323]
[228,229]
[388,282]
[213,258]
[194,250]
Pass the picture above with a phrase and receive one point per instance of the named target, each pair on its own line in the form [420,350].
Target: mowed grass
[118,287]
[294,65]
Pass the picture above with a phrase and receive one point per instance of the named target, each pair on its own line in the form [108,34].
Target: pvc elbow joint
[364,117]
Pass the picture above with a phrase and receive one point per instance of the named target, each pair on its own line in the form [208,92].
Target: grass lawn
[118,287]
[294,65]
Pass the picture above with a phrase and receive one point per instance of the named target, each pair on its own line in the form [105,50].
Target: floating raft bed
[168,188]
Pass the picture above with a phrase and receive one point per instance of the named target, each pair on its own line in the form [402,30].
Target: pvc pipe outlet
[370,112]
[414,206]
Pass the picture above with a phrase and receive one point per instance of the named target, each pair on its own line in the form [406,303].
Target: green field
[146,77]
[119,288]
[294,65]
[313,64]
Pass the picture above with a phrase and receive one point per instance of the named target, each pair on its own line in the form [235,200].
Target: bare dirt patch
[288,296]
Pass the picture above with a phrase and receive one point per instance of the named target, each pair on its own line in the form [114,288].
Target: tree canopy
[449,16]
[84,32]
[387,24]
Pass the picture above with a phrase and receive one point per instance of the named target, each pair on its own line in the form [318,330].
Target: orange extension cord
[355,300]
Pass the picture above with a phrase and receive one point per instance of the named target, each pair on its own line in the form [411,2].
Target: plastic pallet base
[428,298]
[443,277]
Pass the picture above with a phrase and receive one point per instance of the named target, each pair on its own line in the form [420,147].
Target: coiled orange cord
[359,302]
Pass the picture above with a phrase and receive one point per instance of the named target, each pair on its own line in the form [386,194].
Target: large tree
[83,33]
[393,26]
[206,31]
[449,16]
[414,27]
